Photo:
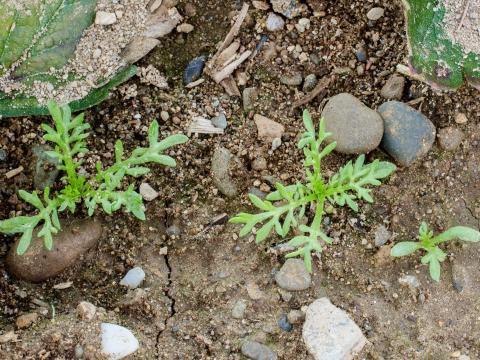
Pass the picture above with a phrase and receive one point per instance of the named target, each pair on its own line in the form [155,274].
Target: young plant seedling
[289,206]
[430,244]
[103,189]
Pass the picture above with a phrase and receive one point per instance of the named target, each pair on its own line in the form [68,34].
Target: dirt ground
[190,291]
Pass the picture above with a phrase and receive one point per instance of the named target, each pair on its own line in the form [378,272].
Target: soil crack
[472,213]
[168,294]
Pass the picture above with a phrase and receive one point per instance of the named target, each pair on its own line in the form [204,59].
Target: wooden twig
[464,15]
[321,86]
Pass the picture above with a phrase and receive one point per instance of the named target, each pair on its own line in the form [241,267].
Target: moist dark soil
[190,291]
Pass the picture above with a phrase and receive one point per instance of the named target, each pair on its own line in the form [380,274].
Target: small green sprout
[288,206]
[103,189]
[429,243]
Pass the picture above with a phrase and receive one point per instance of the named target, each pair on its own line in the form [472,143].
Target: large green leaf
[23,106]
[38,35]
[41,35]
[433,54]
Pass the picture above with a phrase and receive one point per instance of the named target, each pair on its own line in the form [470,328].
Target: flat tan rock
[39,264]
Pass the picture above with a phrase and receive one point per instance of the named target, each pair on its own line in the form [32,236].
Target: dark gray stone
[194,70]
[309,83]
[46,171]
[408,134]
[3,155]
[284,323]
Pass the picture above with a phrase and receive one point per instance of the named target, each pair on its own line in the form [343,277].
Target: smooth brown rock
[39,264]
[24,321]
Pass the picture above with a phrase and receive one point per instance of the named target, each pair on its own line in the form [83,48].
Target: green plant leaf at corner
[47,32]
[26,106]
[433,54]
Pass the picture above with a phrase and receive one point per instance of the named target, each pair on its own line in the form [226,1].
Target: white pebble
[117,341]
[375,13]
[105,18]
[148,193]
[133,278]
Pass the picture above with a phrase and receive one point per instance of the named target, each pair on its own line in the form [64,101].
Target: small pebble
[105,18]
[185,28]
[293,276]
[296,316]
[393,88]
[375,13]
[309,83]
[461,118]
[194,70]
[450,138]
[165,115]
[117,341]
[86,311]
[147,192]
[3,155]
[275,22]
[24,321]
[382,235]
[256,351]
[133,278]
[220,121]
[259,163]
[284,323]
[238,311]
[291,80]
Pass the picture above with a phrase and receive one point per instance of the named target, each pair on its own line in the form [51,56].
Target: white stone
[148,193]
[117,341]
[302,25]
[185,28]
[86,310]
[375,13]
[329,333]
[105,18]
[275,22]
[133,278]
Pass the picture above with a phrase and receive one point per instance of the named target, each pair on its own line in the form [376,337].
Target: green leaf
[171,141]
[263,232]
[52,39]
[25,241]
[404,248]
[118,151]
[153,133]
[307,121]
[18,224]
[32,198]
[258,202]
[458,232]
[434,267]
[137,171]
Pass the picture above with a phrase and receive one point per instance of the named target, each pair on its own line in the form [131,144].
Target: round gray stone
[293,276]
[408,135]
[256,351]
[356,128]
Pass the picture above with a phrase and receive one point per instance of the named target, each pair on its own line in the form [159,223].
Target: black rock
[194,69]
[284,323]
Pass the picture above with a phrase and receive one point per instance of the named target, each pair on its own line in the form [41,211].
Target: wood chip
[321,88]
[14,172]
[64,285]
[195,83]
[201,125]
